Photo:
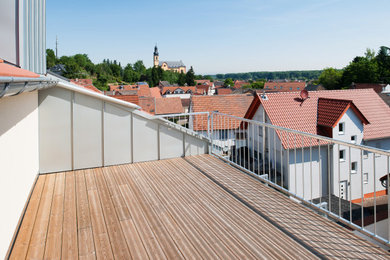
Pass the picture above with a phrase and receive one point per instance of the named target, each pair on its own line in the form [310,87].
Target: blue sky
[221,36]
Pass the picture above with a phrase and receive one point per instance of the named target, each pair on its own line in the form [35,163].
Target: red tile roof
[7,70]
[285,109]
[330,111]
[144,91]
[172,89]
[203,82]
[155,92]
[128,98]
[123,87]
[171,105]
[202,89]
[240,83]
[377,87]
[285,86]
[235,105]
[147,104]
[86,83]
[224,91]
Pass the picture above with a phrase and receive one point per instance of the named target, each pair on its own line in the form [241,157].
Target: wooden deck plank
[194,208]
[54,233]
[69,231]
[193,234]
[204,225]
[118,243]
[223,221]
[22,241]
[84,224]
[38,236]
[327,238]
[181,241]
[149,240]
[252,229]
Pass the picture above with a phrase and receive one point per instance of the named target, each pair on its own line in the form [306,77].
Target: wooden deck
[194,208]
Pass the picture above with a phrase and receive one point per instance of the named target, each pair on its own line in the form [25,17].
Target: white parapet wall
[78,131]
[18,160]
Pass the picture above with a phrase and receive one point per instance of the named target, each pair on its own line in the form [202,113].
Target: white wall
[78,131]
[18,159]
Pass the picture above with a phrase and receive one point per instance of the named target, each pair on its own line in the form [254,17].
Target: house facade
[311,169]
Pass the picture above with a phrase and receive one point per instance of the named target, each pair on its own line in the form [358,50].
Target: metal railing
[337,177]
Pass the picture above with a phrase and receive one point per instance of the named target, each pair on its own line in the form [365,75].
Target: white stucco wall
[18,159]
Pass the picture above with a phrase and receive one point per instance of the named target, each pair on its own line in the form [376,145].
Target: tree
[360,70]
[330,78]
[383,60]
[190,77]
[51,59]
[228,82]
[139,67]
[129,75]
[181,79]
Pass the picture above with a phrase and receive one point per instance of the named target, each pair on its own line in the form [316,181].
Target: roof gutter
[12,86]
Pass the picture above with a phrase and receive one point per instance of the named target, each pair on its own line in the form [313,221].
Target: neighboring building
[182,92]
[143,90]
[378,88]
[58,69]
[356,116]
[128,96]
[155,92]
[290,86]
[176,66]
[166,106]
[223,91]
[86,83]
[224,135]
[185,102]
[238,84]
[206,86]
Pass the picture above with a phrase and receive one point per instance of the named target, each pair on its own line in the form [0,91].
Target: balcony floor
[193,207]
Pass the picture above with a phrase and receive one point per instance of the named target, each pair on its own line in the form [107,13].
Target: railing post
[211,130]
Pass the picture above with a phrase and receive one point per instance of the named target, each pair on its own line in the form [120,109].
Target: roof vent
[264,96]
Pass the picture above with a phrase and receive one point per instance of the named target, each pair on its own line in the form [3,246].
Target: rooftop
[193,207]
[283,109]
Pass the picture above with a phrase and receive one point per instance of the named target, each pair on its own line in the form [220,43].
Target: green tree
[330,78]
[139,67]
[360,70]
[50,58]
[181,79]
[190,77]
[383,60]
[228,82]
[130,75]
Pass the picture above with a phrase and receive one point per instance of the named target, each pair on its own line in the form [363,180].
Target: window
[342,155]
[353,139]
[297,88]
[353,167]
[275,87]
[290,88]
[341,128]
[365,178]
[281,87]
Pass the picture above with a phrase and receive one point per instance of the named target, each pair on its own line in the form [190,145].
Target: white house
[356,116]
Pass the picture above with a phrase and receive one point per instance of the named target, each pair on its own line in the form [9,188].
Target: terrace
[192,207]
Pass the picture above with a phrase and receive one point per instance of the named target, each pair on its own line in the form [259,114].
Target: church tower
[155,56]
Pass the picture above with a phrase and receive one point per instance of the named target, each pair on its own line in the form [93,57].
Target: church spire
[155,56]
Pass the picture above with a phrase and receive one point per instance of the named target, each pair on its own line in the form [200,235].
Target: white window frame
[355,137]
[343,152]
[343,127]
[354,170]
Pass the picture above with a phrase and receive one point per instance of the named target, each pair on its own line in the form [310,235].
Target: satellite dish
[304,94]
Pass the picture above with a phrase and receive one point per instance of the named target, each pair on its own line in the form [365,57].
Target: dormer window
[341,128]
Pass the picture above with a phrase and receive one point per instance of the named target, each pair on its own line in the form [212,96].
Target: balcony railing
[342,180]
